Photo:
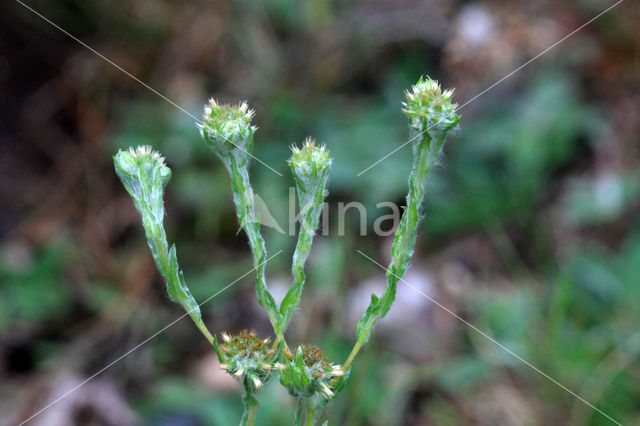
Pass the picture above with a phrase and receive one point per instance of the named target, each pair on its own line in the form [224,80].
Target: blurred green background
[531,228]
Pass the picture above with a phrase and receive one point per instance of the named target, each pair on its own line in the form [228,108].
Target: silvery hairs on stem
[144,174]
[228,131]
[431,114]
[310,168]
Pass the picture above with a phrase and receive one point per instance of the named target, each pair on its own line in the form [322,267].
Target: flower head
[144,174]
[227,128]
[246,355]
[428,106]
[310,167]
[308,373]
[310,160]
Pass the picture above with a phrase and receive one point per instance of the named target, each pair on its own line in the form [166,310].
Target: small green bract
[308,373]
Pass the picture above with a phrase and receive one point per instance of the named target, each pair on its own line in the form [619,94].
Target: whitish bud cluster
[309,161]
[308,372]
[246,356]
[227,129]
[429,107]
[144,174]
[310,168]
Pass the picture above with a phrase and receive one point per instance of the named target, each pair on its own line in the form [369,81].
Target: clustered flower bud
[144,174]
[309,161]
[308,372]
[428,107]
[247,356]
[227,129]
[310,167]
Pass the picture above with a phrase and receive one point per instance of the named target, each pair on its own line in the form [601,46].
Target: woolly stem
[310,419]
[250,404]
[310,211]
[244,200]
[403,242]
[298,419]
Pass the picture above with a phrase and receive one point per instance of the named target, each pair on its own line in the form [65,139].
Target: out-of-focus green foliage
[577,331]
[592,201]
[503,163]
[173,397]
[33,288]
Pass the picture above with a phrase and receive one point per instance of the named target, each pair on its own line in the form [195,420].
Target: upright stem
[297,421]
[353,353]
[310,208]
[405,239]
[202,327]
[250,404]
[311,413]
[310,168]
[403,245]
[244,200]
[305,413]
[157,240]
[228,130]
[279,338]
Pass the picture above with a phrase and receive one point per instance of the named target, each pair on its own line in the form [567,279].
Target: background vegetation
[532,230]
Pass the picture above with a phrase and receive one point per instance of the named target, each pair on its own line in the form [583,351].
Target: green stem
[157,241]
[405,238]
[250,404]
[203,329]
[276,342]
[354,351]
[311,413]
[310,208]
[297,421]
[244,200]
[403,242]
